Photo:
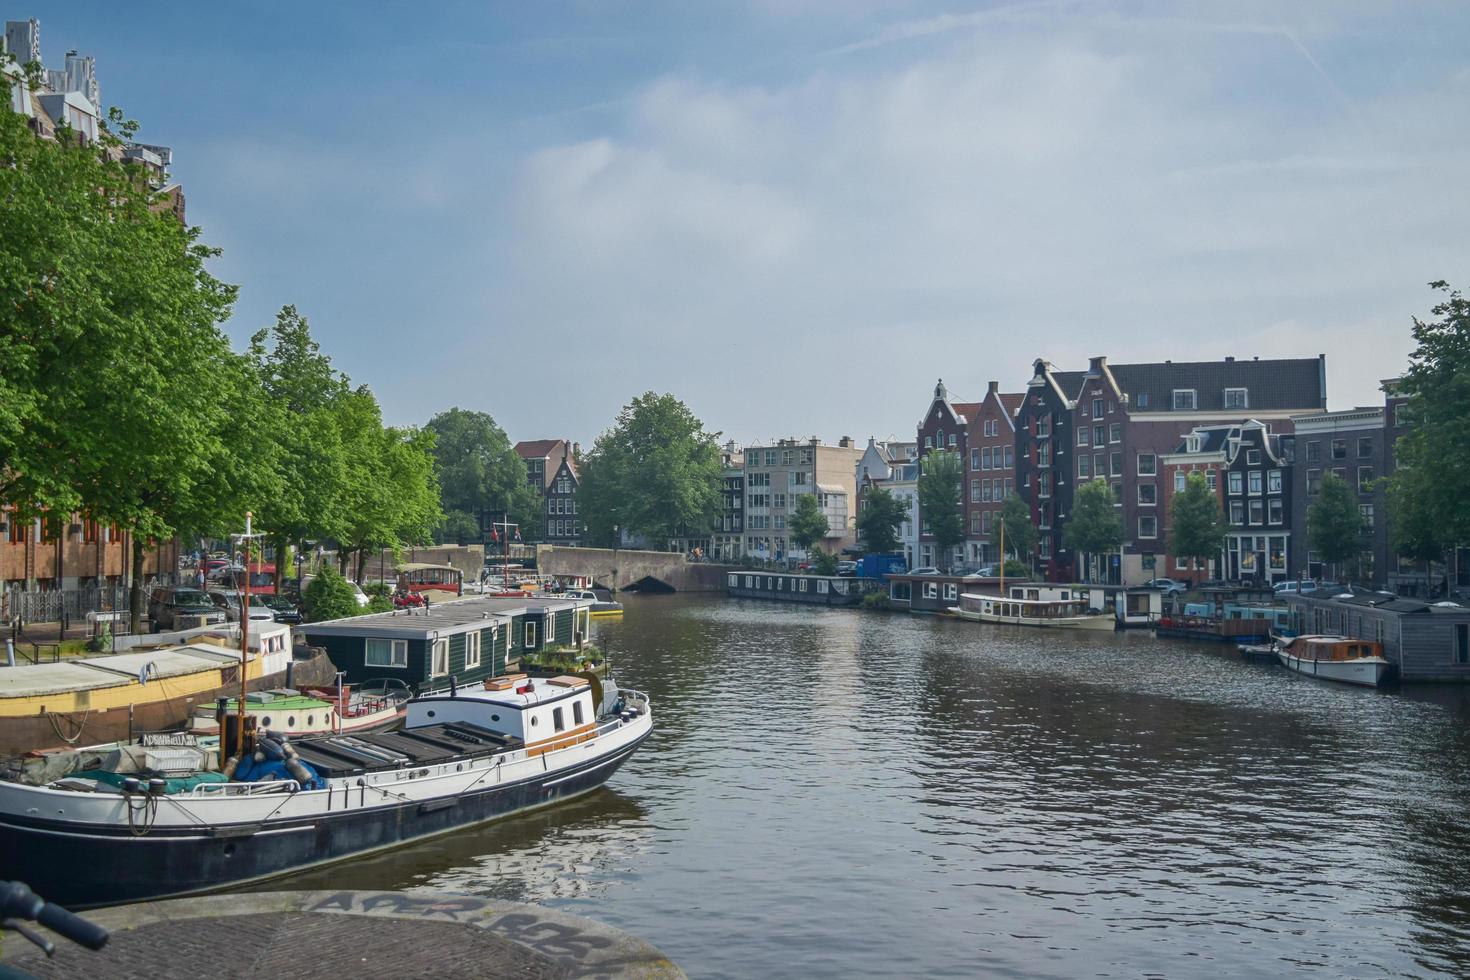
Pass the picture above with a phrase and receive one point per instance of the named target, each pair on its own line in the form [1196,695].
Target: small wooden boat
[313,710]
[1066,614]
[1334,658]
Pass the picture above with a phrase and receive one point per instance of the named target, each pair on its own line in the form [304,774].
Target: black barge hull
[80,867]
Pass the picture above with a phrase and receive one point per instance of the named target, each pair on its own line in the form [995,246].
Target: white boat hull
[1363,671]
[1104,621]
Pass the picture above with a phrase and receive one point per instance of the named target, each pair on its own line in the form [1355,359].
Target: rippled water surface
[833,793]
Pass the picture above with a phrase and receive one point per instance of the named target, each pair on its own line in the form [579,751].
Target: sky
[796,215]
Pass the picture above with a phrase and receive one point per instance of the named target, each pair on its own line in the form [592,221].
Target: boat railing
[246,789]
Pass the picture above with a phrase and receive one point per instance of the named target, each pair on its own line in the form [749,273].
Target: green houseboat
[463,641]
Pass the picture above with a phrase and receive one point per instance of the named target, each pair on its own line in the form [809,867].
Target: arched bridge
[624,568]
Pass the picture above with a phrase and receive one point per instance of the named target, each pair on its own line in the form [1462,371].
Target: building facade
[945,427]
[551,468]
[727,539]
[1043,462]
[990,471]
[776,475]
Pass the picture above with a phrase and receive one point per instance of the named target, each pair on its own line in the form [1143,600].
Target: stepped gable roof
[537,448]
[1282,384]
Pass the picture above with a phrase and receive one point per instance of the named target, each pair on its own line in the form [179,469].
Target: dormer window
[1237,398]
[1185,400]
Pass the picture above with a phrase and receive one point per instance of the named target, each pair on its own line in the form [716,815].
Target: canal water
[844,794]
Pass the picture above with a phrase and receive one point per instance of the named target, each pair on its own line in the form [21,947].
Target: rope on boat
[51,716]
[149,810]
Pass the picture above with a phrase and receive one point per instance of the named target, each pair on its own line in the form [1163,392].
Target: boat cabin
[544,713]
[460,641]
[1136,607]
[1333,648]
[438,580]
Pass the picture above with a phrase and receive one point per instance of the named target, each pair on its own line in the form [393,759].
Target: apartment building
[777,474]
[551,468]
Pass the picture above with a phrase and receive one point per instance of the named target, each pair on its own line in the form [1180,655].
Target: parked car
[926,570]
[1169,586]
[1306,587]
[847,568]
[168,603]
[285,609]
[228,602]
[362,597]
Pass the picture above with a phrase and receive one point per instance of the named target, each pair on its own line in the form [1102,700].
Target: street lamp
[617,537]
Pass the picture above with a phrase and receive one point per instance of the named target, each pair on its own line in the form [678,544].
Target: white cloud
[810,255]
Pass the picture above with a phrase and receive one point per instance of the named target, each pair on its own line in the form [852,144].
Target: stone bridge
[624,568]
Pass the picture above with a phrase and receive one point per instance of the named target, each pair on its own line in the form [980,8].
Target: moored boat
[603,604]
[311,711]
[161,825]
[1069,614]
[1334,658]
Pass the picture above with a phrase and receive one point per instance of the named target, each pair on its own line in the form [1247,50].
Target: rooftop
[452,616]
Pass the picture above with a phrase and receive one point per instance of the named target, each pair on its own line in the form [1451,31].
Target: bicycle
[18,905]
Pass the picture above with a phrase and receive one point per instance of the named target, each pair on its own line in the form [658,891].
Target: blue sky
[795,216]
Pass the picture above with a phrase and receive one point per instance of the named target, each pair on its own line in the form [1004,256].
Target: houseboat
[463,641]
[151,822]
[1071,613]
[1423,641]
[155,682]
[823,590]
[603,604]
[1334,658]
[1138,607]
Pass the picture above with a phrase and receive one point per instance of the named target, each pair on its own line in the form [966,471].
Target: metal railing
[63,605]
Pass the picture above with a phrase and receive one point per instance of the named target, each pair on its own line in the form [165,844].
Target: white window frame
[1193,400]
[528,635]
[472,649]
[1245,397]
[1148,503]
[1138,465]
[951,591]
[397,653]
[1150,534]
[931,591]
[550,626]
[439,652]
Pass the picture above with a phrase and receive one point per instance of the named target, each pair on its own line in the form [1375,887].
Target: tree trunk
[342,555]
[279,541]
[135,586]
[361,564]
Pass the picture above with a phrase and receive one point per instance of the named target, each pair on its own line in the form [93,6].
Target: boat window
[530,635]
[821,586]
[576,712]
[558,721]
[265,722]
[291,722]
[535,721]
[439,661]
[386,653]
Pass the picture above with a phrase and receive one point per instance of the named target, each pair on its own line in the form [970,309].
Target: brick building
[551,468]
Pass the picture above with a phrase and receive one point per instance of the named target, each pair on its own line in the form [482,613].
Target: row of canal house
[1118,422]
[464,640]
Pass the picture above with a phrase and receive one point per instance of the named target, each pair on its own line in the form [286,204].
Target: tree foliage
[940,503]
[1335,528]
[807,524]
[879,520]
[656,473]
[1428,490]
[1197,523]
[1020,533]
[480,473]
[1094,526]
[328,596]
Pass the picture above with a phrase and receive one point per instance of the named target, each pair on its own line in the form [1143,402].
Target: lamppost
[617,536]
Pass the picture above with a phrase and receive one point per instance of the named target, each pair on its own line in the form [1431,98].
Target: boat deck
[348,755]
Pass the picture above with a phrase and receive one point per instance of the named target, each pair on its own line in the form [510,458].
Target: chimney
[1229,359]
[845,442]
[994,388]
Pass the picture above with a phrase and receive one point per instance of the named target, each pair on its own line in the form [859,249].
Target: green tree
[807,524]
[458,528]
[1020,533]
[879,520]
[1094,526]
[480,473]
[304,393]
[328,596]
[1335,528]
[823,562]
[656,473]
[1197,524]
[940,504]
[116,367]
[1431,483]
[1414,530]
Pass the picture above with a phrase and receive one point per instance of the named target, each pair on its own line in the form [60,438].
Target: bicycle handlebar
[17,901]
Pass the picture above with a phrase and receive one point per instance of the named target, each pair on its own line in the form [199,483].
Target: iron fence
[61,605]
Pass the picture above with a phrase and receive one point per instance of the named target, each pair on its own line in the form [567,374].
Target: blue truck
[879,567]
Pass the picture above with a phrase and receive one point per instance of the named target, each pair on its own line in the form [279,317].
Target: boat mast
[244,642]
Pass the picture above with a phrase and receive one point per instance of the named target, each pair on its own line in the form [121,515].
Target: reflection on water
[833,793]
